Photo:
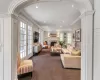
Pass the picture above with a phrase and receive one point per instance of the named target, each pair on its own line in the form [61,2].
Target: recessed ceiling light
[57,30]
[37,6]
[60,26]
[72,5]
[44,21]
[63,21]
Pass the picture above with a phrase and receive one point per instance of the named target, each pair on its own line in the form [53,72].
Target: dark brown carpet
[50,68]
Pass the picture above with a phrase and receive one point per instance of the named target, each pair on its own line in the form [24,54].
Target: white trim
[88,6]
[83,15]
[31,19]
[14,4]
[4,15]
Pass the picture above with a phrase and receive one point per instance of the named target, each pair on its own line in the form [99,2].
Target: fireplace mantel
[53,39]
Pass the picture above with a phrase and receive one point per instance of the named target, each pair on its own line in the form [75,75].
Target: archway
[85,8]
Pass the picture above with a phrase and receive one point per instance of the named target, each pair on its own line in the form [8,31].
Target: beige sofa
[67,50]
[70,61]
[71,57]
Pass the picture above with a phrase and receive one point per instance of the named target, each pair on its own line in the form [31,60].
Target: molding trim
[5,15]
[31,19]
[14,4]
[83,15]
[86,13]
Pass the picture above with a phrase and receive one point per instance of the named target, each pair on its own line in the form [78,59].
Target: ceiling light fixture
[60,26]
[72,5]
[63,21]
[57,30]
[44,21]
[37,6]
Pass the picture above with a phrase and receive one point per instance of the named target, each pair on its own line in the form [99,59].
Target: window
[22,39]
[61,37]
[26,39]
[29,39]
[69,38]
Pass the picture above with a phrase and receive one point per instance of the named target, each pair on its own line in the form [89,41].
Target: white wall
[41,36]
[97,40]
[75,27]
[4,4]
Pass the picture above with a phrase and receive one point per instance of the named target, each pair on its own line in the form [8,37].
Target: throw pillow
[76,52]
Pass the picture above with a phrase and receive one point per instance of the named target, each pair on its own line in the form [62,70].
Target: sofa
[24,67]
[37,47]
[69,61]
[71,57]
[67,50]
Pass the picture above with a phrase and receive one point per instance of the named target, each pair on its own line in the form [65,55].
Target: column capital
[90,12]
[5,15]
[87,13]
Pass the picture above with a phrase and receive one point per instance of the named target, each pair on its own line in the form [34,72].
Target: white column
[7,47]
[1,50]
[86,46]
[14,42]
[8,51]
[97,40]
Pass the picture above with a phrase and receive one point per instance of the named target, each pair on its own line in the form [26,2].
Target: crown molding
[86,13]
[14,4]
[5,15]
[83,15]
[31,19]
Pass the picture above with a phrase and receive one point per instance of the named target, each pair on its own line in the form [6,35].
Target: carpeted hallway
[49,67]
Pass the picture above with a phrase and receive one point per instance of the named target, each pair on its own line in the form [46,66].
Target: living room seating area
[24,67]
[70,56]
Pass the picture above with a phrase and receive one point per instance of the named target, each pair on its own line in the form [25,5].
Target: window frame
[25,46]
[69,41]
[31,40]
[27,23]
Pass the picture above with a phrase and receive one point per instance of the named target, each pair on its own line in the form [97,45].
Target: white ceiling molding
[61,30]
[5,15]
[49,0]
[83,15]
[90,12]
[56,15]
[31,19]
[14,4]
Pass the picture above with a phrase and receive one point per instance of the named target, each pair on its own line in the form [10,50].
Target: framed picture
[78,35]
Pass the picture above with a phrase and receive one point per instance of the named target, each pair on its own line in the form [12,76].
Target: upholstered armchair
[45,44]
[24,67]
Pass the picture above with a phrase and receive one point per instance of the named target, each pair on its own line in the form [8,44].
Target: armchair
[24,67]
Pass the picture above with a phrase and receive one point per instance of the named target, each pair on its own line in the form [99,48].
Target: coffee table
[55,51]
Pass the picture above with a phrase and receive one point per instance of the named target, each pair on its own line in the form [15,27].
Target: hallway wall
[75,27]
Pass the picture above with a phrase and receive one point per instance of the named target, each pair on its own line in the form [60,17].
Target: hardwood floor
[49,67]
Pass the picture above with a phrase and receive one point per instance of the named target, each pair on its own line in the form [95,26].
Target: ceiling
[52,16]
